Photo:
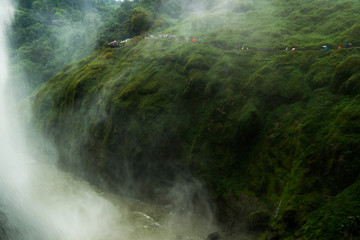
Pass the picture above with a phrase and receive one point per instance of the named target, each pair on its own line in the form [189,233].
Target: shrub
[141,20]
[344,71]
[354,34]
[198,62]
[352,85]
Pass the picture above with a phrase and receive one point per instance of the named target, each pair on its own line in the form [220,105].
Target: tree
[141,20]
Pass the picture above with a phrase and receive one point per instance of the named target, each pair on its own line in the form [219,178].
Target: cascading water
[39,202]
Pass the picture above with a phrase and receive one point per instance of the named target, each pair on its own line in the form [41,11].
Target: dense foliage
[48,34]
[273,134]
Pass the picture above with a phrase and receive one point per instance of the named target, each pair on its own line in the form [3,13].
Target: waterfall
[37,200]
[40,202]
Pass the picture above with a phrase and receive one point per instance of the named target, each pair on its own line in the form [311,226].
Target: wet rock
[289,217]
[258,219]
[237,209]
[273,235]
[213,236]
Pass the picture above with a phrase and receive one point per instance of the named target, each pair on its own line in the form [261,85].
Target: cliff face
[273,134]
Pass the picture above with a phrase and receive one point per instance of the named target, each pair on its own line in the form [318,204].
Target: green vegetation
[277,141]
[46,35]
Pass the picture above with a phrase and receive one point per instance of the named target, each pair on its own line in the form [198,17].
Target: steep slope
[273,134]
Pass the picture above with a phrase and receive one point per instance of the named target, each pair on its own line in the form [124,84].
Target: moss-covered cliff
[273,134]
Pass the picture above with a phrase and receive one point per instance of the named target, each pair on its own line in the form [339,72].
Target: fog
[40,202]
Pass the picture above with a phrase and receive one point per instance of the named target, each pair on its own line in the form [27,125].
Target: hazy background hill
[272,134]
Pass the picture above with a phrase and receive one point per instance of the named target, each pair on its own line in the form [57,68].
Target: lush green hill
[273,134]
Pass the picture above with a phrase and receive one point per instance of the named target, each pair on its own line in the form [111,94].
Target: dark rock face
[213,236]
[236,210]
[258,220]
[273,236]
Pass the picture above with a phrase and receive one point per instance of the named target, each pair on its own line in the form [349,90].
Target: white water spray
[39,202]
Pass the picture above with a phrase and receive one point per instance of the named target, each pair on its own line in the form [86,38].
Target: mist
[46,37]
[205,100]
[40,202]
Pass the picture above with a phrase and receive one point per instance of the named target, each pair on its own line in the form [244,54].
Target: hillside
[272,134]
[46,35]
